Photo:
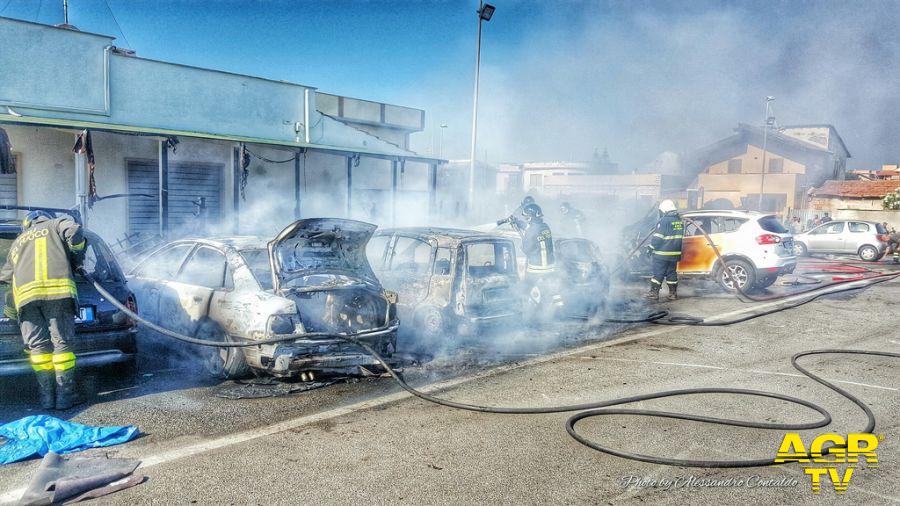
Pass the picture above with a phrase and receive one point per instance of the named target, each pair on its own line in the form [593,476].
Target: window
[776,165]
[375,250]
[442,262]
[164,264]
[534,180]
[881,229]
[96,263]
[771,224]
[732,224]
[411,256]
[490,258]
[734,166]
[257,261]
[835,227]
[857,227]
[693,227]
[206,268]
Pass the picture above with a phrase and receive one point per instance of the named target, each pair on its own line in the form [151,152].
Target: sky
[559,79]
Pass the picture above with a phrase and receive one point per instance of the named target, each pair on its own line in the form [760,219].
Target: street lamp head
[770,99]
[443,126]
[486,12]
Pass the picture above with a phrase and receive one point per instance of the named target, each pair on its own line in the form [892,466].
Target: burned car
[104,336]
[448,280]
[313,278]
[582,277]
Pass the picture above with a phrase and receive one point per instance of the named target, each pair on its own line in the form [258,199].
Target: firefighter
[894,247]
[573,217]
[39,270]
[537,243]
[665,248]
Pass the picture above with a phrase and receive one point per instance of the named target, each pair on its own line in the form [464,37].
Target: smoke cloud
[641,78]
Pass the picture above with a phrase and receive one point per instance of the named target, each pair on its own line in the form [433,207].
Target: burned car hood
[322,253]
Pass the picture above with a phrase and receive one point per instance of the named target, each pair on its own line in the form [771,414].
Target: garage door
[188,182]
[8,195]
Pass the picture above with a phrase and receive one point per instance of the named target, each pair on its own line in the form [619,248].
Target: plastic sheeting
[36,435]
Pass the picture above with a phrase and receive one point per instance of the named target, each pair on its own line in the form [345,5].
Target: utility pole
[485,11]
[762,172]
[441,145]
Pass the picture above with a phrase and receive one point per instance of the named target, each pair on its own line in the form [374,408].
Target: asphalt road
[368,441]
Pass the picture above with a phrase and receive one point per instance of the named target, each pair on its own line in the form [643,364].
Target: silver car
[854,237]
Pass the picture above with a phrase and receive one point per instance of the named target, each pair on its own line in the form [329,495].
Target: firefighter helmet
[667,206]
[565,207]
[33,215]
[527,200]
[532,211]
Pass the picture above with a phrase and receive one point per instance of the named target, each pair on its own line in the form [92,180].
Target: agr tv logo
[824,455]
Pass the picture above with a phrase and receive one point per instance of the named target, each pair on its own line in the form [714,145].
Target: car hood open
[321,251]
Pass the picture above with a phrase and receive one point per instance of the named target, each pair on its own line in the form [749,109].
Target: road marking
[259,432]
[737,369]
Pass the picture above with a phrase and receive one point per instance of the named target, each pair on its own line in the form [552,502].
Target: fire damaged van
[311,282]
[449,281]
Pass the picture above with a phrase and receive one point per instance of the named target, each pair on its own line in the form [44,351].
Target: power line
[113,14]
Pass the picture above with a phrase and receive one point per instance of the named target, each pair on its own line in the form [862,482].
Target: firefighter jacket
[537,242]
[666,241]
[40,261]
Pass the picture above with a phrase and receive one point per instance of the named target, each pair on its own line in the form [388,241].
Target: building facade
[181,149]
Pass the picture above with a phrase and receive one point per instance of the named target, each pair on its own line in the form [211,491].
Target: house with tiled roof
[857,199]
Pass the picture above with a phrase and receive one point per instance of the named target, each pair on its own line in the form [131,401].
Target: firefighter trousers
[48,328]
[664,269]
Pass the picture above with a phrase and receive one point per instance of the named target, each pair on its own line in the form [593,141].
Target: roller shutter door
[8,195]
[187,183]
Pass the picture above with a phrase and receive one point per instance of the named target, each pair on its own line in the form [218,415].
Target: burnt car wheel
[430,322]
[221,363]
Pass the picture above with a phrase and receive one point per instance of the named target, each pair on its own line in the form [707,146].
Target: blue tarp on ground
[36,435]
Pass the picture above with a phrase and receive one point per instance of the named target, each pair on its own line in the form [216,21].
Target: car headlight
[284,324]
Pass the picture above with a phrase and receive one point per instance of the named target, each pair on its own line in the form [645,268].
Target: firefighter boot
[653,294]
[65,388]
[46,384]
[673,292]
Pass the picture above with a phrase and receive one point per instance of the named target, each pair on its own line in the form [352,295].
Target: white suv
[756,248]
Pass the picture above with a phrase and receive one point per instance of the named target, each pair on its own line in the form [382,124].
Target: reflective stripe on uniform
[666,253]
[668,237]
[41,361]
[655,282]
[40,259]
[44,287]
[63,361]
[543,253]
[671,282]
[80,246]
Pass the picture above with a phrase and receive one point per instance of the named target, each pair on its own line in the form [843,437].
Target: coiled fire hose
[598,408]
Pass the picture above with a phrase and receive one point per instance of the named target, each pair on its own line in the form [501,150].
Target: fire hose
[603,408]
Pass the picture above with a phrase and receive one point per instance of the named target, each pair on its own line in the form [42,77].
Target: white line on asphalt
[737,369]
[249,435]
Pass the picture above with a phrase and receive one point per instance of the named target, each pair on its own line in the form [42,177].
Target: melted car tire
[222,363]
[430,322]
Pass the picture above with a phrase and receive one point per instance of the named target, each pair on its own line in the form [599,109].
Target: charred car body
[448,280]
[104,336]
[313,278]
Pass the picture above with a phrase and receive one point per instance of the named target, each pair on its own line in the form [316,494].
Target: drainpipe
[81,197]
[306,114]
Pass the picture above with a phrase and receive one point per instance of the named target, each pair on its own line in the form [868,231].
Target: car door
[202,274]
[858,233]
[148,279]
[833,239]
[697,252]
[407,268]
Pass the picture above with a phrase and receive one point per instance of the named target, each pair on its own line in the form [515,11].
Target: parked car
[756,248]
[867,239]
[583,277]
[104,336]
[448,280]
[312,278]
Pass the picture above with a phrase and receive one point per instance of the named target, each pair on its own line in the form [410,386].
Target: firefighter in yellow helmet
[665,247]
[42,296]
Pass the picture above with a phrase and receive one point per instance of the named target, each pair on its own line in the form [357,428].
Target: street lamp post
[762,172]
[441,144]
[485,12]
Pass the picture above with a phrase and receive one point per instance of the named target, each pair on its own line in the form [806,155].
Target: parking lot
[367,440]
